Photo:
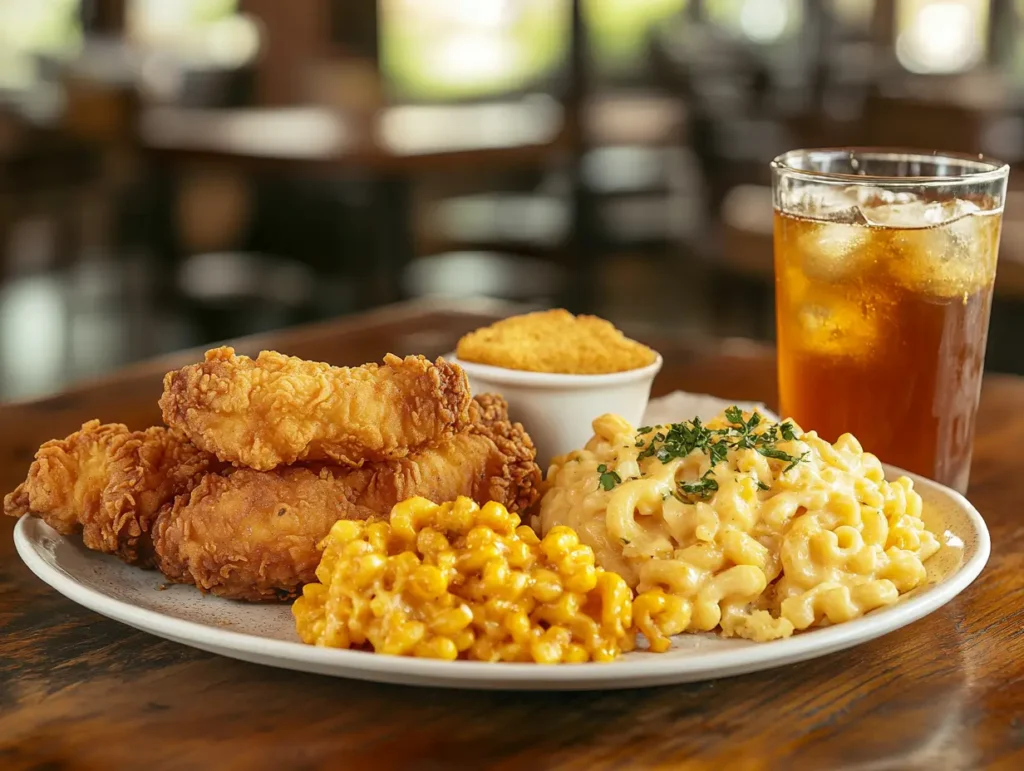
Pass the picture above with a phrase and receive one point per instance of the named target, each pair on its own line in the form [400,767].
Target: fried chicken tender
[109,483]
[276,409]
[254,535]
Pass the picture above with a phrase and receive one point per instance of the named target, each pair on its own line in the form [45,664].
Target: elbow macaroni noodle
[778,547]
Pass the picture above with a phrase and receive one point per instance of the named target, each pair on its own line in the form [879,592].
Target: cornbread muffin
[555,341]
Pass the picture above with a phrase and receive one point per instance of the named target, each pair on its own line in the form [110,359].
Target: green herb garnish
[734,415]
[680,439]
[702,488]
[771,452]
[608,479]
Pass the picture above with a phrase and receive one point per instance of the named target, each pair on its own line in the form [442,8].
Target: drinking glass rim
[988,169]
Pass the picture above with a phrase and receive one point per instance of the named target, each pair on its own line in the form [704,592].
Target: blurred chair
[500,217]
[44,176]
[642,186]
[484,274]
[736,123]
[746,285]
[232,294]
[1004,353]
[904,121]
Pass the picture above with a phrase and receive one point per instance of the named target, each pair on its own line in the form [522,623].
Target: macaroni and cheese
[744,525]
[462,581]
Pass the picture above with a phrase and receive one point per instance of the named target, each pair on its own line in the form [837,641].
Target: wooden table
[81,692]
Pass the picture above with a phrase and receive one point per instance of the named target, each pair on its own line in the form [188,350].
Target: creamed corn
[462,581]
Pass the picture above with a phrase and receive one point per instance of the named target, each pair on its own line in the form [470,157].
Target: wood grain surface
[80,692]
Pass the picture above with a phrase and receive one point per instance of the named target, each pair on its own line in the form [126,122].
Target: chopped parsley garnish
[702,488]
[680,439]
[608,479]
[719,453]
[771,452]
[734,414]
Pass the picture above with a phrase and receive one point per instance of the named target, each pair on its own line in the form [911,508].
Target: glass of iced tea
[884,266]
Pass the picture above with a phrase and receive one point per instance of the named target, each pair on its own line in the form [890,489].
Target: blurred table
[396,139]
[83,692]
[388,148]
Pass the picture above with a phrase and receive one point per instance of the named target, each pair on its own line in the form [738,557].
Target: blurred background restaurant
[176,172]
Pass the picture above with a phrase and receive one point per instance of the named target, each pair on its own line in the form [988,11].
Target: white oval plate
[265,634]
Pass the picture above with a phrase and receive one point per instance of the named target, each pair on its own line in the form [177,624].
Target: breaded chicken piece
[109,483]
[555,341]
[253,535]
[278,409]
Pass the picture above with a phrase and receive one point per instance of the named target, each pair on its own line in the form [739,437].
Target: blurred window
[456,49]
[156,21]
[618,30]
[854,15]
[941,36]
[759,21]
[33,28]
[1017,50]
[200,32]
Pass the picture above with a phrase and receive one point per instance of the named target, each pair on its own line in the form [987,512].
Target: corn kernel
[345,530]
[547,587]
[431,543]
[518,625]
[464,640]
[520,555]
[428,582]
[575,654]
[551,645]
[437,648]
[527,535]
[583,581]
[474,560]
[369,569]
[496,517]
[377,536]
[452,622]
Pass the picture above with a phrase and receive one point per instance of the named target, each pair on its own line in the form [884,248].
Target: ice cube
[913,213]
[908,215]
[866,195]
[949,259]
[948,212]
[823,202]
[833,251]
[837,326]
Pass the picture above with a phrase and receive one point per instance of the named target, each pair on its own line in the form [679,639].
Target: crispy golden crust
[16,503]
[555,341]
[68,476]
[275,410]
[109,483]
[149,469]
[255,535]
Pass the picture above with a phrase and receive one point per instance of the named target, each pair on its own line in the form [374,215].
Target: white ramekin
[557,410]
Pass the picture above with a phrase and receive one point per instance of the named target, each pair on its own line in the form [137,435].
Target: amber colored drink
[882,326]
